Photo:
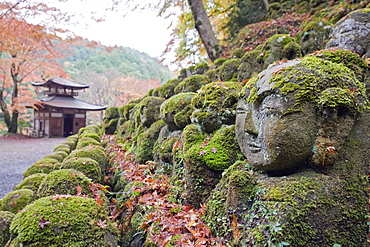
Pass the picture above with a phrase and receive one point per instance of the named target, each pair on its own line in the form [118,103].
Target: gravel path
[17,154]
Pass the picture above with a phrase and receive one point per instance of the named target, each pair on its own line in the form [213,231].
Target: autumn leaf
[101,223]
[79,190]
[43,222]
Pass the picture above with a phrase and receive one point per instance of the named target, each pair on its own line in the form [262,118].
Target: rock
[352,33]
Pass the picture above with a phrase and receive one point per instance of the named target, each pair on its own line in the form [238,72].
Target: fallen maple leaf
[43,222]
[101,223]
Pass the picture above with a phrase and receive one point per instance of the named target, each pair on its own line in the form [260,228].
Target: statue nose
[249,125]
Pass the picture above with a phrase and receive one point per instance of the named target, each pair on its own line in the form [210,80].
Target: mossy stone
[31,182]
[89,135]
[201,68]
[87,166]
[217,151]
[124,111]
[64,221]
[63,182]
[110,126]
[44,165]
[88,129]
[314,36]
[229,69]
[16,200]
[87,141]
[191,84]
[63,147]
[176,110]
[6,218]
[167,90]
[56,156]
[111,113]
[145,142]
[96,153]
[215,105]
[235,191]
[146,112]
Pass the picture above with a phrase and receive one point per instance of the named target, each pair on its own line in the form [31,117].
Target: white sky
[141,30]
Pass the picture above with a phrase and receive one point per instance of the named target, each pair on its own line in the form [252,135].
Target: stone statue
[299,113]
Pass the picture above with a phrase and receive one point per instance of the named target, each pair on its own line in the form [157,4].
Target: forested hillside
[125,61]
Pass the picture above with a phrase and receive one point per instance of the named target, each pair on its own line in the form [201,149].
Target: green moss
[176,110]
[5,221]
[191,84]
[146,140]
[31,182]
[167,90]
[289,87]
[238,53]
[252,97]
[228,70]
[63,182]
[235,191]
[111,113]
[44,165]
[146,112]
[124,111]
[87,141]
[64,221]
[324,79]
[62,147]
[201,68]
[87,166]
[94,136]
[88,129]
[110,126]
[215,105]
[55,156]
[96,153]
[217,152]
[218,62]
[16,200]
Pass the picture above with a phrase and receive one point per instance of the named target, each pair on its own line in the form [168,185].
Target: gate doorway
[68,125]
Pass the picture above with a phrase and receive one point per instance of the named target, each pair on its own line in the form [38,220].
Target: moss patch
[63,182]
[87,166]
[64,221]
[16,200]
[215,105]
[31,182]
[5,221]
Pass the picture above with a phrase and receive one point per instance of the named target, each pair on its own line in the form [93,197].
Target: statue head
[299,112]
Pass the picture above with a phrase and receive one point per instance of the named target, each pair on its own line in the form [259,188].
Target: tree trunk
[204,28]
[266,2]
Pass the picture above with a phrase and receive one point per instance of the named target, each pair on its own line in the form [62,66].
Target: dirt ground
[17,153]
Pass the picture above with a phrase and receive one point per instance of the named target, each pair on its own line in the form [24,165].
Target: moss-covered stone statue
[304,127]
[63,220]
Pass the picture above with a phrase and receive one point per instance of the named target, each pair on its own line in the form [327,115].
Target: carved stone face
[270,137]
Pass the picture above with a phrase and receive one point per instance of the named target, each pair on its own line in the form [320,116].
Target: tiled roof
[70,102]
[62,82]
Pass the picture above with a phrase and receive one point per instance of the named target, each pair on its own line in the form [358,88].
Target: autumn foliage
[167,222]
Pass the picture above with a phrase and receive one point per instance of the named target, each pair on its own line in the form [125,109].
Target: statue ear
[334,127]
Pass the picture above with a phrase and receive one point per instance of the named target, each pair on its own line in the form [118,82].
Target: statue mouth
[254,147]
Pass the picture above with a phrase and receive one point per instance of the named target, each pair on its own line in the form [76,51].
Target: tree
[204,28]
[26,53]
